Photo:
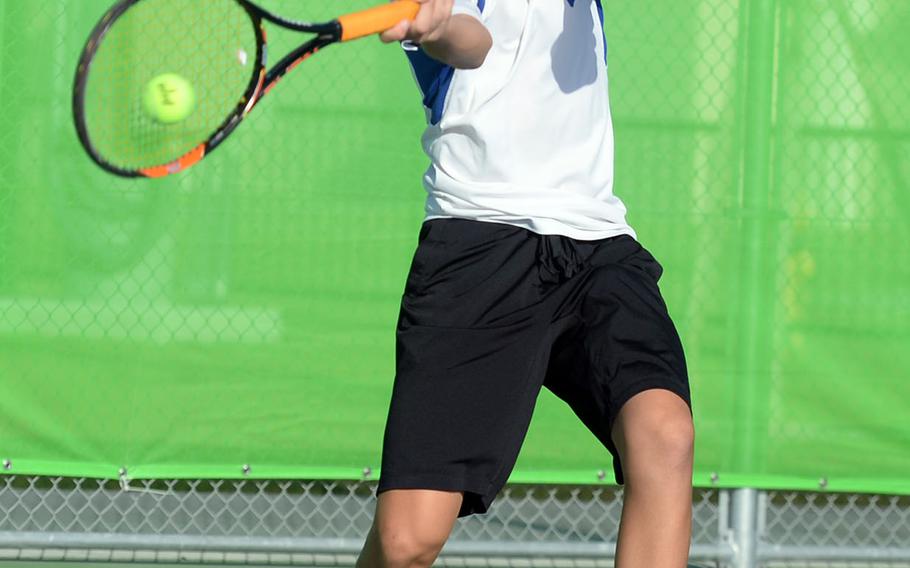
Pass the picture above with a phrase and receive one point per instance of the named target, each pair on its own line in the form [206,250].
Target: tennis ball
[169,98]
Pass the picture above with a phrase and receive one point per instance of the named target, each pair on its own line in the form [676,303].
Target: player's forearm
[462,42]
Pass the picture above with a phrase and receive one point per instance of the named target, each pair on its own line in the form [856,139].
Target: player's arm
[459,40]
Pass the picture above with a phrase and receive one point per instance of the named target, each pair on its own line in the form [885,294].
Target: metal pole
[745,528]
[756,303]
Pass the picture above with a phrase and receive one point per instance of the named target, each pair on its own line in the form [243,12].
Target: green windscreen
[243,312]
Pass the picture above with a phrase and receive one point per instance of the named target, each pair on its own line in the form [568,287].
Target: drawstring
[560,258]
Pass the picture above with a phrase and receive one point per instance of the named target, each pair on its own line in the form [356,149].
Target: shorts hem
[478,493]
[656,383]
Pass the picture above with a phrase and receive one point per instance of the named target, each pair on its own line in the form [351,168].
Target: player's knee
[664,443]
[673,443]
[680,441]
[409,548]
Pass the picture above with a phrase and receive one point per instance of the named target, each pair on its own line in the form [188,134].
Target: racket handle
[377,20]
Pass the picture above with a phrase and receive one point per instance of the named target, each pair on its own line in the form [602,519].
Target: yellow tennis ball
[169,98]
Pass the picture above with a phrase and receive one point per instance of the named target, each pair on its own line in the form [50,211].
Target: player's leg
[623,372]
[652,432]
[471,348]
[654,435]
[410,528]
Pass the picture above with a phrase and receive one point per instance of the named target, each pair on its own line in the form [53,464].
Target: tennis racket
[162,83]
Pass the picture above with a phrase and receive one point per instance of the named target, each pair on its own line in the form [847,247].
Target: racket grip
[377,20]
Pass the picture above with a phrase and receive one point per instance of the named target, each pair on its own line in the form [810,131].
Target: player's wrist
[437,34]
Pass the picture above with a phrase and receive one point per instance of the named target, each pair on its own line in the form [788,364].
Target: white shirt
[526,139]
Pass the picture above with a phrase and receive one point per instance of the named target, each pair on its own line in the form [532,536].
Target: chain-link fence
[324,523]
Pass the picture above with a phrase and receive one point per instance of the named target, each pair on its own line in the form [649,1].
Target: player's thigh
[626,346]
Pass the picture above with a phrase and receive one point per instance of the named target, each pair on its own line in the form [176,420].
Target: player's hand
[428,26]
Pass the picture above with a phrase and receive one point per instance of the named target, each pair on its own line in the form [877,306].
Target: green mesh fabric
[243,312]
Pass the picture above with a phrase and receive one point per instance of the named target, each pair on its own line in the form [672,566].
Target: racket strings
[162,37]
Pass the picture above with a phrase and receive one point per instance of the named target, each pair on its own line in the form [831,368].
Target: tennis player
[526,275]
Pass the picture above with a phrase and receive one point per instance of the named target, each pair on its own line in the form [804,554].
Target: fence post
[755,308]
[745,527]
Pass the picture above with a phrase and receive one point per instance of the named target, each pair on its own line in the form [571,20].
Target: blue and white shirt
[526,139]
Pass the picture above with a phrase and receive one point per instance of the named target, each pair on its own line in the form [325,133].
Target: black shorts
[491,313]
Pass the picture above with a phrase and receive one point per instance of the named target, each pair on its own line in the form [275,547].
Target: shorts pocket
[645,261]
